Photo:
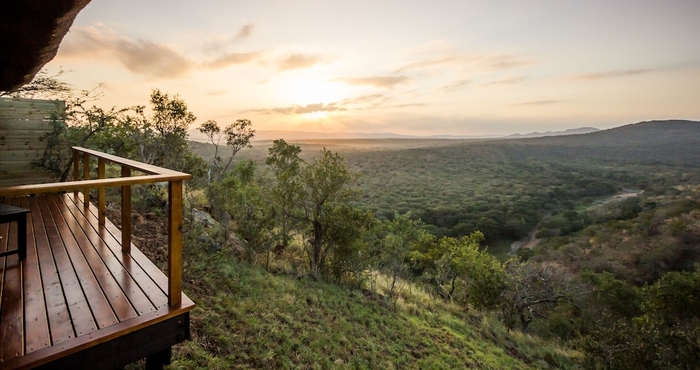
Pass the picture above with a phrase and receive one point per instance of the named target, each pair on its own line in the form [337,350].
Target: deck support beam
[158,360]
[174,242]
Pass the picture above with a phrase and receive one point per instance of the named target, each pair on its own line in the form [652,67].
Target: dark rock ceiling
[30,33]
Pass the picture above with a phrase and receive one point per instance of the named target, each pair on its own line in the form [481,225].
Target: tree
[345,254]
[238,136]
[536,289]
[43,86]
[286,164]
[403,235]
[462,270]
[246,201]
[665,336]
[170,120]
[326,183]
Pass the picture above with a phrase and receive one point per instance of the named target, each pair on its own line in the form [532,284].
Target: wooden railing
[153,174]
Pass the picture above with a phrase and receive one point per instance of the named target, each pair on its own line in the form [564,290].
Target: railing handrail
[68,186]
[154,174]
[136,165]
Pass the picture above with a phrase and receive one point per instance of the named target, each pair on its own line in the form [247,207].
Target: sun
[306,88]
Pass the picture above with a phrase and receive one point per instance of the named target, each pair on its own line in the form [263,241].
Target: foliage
[666,335]
[460,270]
[535,290]
[246,201]
[325,184]
[285,163]
[169,120]
[238,135]
[43,86]
[402,235]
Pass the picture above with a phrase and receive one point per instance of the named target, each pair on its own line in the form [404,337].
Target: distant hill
[667,132]
[669,141]
[573,131]
[266,135]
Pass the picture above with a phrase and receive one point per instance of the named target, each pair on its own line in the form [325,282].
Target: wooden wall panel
[24,126]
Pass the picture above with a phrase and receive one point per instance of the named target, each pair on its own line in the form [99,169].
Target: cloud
[537,103]
[373,100]
[499,62]
[218,43]
[215,93]
[300,61]
[408,105]
[505,81]
[300,109]
[612,74]
[144,57]
[230,59]
[454,86]
[139,56]
[433,63]
[362,102]
[504,62]
[376,81]
[244,33]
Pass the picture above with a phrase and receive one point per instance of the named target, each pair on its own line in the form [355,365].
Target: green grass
[249,318]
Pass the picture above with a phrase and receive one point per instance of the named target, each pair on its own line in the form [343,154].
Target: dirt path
[628,193]
[531,241]
[528,243]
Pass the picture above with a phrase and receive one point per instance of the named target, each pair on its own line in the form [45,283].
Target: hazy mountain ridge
[288,135]
[572,131]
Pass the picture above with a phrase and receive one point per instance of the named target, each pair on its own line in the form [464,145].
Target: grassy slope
[248,318]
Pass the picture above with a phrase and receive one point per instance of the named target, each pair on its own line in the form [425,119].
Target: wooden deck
[77,300]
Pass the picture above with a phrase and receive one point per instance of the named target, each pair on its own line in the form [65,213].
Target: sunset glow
[410,67]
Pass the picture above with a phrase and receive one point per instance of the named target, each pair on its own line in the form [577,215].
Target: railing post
[174,242]
[76,169]
[126,212]
[101,202]
[86,176]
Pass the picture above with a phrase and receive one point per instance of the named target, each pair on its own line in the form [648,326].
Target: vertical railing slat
[101,201]
[86,176]
[174,242]
[76,169]
[126,212]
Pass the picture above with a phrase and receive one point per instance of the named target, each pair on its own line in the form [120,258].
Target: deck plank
[12,315]
[137,256]
[138,282]
[60,326]
[118,301]
[113,236]
[36,323]
[81,317]
[124,273]
[99,306]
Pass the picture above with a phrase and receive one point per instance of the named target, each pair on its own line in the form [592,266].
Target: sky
[409,67]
